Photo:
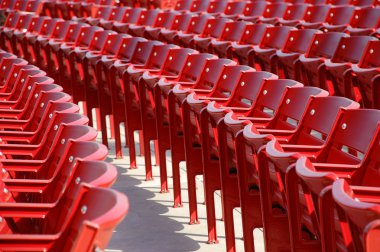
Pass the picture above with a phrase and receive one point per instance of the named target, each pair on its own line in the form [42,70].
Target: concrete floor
[152,223]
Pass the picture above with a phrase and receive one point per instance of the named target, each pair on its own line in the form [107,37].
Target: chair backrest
[183,5]
[12,19]
[69,171]
[164,19]
[295,11]
[175,61]
[48,27]
[117,13]
[365,18]
[214,27]
[74,30]
[113,210]
[158,55]
[142,51]
[233,31]
[298,41]
[132,15]
[270,97]
[60,29]
[128,46]
[254,8]
[324,45]
[101,11]
[352,137]
[198,23]
[371,55]
[216,6]
[253,33]
[113,43]
[275,10]
[24,21]
[147,17]
[275,37]
[86,35]
[212,70]
[194,66]
[248,88]
[362,3]
[340,15]
[229,79]
[319,119]
[181,22]
[99,40]
[234,8]
[199,5]
[36,24]
[316,13]
[338,2]
[351,49]
[293,106]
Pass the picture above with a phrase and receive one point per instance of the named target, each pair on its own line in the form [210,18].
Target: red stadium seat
[297,43]
[366,75]
[323,47]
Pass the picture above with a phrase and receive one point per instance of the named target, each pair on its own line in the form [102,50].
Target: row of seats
[21,5]
[344,65]
[52,171]
[275,148]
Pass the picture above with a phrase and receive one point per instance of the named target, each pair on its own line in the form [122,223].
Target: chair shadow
[145,229]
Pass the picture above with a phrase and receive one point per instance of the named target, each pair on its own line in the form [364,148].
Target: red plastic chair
[252,35]
[146,18]
[293,14]
[216,7]
[349,51]
[96,74]
[297,43]
[85,216]
[330,163]
[288,16]
[164,20]
[356,205]
[10,24]
[315,14]
[117,15]
[175,98]
[183,5]
[278,158]
[133,51]
[69,59]
[130,79]
[131,16]
[98,13]
[192,116]
[364,21]
[242,99]
[253,9]
[233,9]
[337,19]
[323,47]
[197,25]
[263,56]
[271,12]
[232,32]
[366,75]
[22,37]
[199,6]
[171,69]
[213,30]
[181,23]
[190,74]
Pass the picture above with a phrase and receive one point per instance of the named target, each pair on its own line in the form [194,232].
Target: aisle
[153,225]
